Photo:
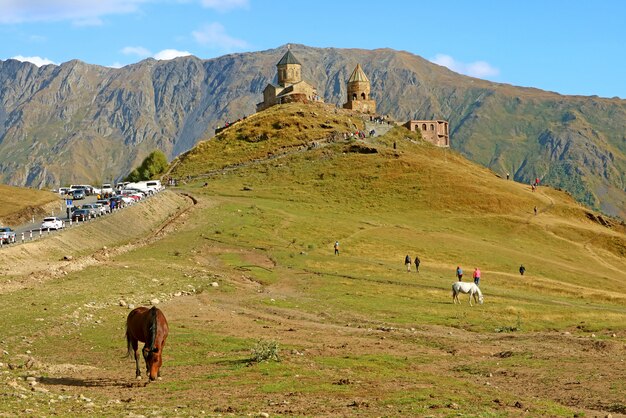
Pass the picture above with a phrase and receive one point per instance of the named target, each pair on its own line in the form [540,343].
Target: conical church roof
[288,58]
[358,75]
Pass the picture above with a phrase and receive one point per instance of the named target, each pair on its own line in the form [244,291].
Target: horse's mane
[152,330]
[478,291]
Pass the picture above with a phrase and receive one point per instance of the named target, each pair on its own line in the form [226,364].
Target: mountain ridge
[83,122]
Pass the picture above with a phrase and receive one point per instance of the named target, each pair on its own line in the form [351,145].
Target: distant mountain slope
[80,122]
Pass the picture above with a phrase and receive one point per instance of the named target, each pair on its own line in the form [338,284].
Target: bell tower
[359,92]
[289,69]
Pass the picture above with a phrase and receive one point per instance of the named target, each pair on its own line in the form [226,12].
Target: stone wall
[363,106]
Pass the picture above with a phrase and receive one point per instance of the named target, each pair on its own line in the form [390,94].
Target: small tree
[152,166]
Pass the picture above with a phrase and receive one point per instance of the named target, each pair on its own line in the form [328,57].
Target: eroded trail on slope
[35,262]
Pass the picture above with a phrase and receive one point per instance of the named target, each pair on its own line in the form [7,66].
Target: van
[150,186]
[89,190]
[156,184]
[106,188]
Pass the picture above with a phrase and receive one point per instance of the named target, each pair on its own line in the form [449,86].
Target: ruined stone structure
[359,92]
[291,87]
[433,131]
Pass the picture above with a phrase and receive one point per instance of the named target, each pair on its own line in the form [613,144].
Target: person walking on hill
[459,273]
[522,269]
[476,276]
[336,246]
[417,264]
[407,262]
[535,209]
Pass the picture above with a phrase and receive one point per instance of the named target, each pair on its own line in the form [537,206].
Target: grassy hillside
[273,133]
[253,264]
[17,203]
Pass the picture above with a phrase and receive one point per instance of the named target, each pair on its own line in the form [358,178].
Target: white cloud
[38,61]
[169,54]
[225,5]
[116,64]
[479,69]
[213,35]
[140,51]
[78,11]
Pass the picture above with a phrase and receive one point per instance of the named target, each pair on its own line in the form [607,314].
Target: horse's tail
[152,330]
[129,344]
[454,289]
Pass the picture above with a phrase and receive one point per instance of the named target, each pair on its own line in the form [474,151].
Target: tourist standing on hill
[336,246]
[535,209]
[417,264]
[407,262]
[522,269]
[476,276]
[459,273]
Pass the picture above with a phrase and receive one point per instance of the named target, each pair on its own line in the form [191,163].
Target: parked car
[102,209]
[7,235]
[92,208]
[80,215]
[148,187]
[64,190]
[106,205]
[88,189]
[52,222]
[106,188]
[78,194]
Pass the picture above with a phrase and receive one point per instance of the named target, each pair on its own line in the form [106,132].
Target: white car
[103,210]
[106,188]
[52,223]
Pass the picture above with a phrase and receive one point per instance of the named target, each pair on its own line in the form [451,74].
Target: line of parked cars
[110,199]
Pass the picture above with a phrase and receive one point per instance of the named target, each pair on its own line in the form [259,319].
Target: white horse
[465,287]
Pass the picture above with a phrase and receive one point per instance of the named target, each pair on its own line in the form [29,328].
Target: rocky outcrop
[84,123]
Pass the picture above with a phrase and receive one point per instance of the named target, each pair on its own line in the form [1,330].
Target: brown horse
[149,326]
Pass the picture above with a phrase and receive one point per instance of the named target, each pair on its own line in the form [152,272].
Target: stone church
[291,87]
[359,93]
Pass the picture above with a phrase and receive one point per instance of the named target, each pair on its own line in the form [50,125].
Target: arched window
[353,96]
[432,127]
[362,96]
[423,126]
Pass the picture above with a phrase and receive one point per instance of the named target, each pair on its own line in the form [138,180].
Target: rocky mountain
[85,123]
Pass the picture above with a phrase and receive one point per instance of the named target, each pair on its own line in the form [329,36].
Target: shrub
[265,351]
[152,166]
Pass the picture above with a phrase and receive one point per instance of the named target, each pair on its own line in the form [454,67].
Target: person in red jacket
[476,276]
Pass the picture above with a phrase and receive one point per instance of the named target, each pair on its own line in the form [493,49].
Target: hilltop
[249,270]
[84,123]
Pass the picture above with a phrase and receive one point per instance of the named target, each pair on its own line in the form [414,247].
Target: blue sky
[571,47]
